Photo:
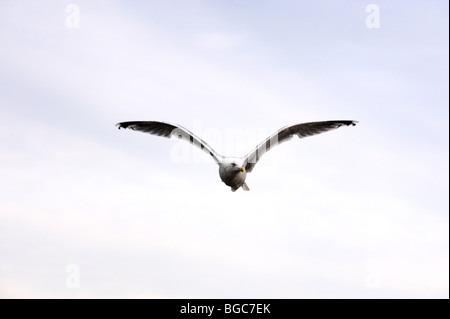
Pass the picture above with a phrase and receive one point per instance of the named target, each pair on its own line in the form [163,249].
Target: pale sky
[88,211]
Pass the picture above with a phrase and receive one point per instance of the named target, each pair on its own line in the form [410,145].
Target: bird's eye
[233,164]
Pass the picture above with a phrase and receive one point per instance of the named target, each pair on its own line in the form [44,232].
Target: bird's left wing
[286,133]
[169,130]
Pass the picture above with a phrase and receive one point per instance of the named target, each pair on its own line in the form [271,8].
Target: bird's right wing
[286,133]
[169,130]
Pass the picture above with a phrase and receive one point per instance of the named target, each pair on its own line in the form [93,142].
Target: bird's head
[233,165]
[236,167]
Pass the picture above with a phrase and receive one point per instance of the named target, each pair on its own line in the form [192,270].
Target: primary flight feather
[234,172]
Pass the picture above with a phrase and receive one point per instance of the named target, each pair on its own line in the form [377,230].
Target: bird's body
[233,171]
[233,175]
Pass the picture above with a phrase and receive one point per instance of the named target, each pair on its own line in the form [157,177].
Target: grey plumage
[169,130]
[155,128]
[233,172]
[286,133]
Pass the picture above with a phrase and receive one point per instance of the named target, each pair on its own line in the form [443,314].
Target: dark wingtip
[345,122]
[122,125]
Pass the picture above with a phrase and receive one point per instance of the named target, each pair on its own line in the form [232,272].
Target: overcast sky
[88,211]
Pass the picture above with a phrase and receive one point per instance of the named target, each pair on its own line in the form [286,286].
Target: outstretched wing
[286,133]
[169,130]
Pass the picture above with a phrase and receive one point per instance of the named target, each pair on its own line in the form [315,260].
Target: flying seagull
[233,171]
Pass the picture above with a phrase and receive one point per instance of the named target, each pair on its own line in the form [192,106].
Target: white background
[89,211]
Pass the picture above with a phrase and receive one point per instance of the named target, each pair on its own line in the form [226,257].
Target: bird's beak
[241,169]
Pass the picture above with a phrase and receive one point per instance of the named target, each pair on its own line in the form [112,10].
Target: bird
[233,171]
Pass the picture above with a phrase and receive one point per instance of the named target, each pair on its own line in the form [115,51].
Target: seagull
[233,171]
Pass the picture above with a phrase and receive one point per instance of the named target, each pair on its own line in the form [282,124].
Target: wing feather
[169,130]
[286,133]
